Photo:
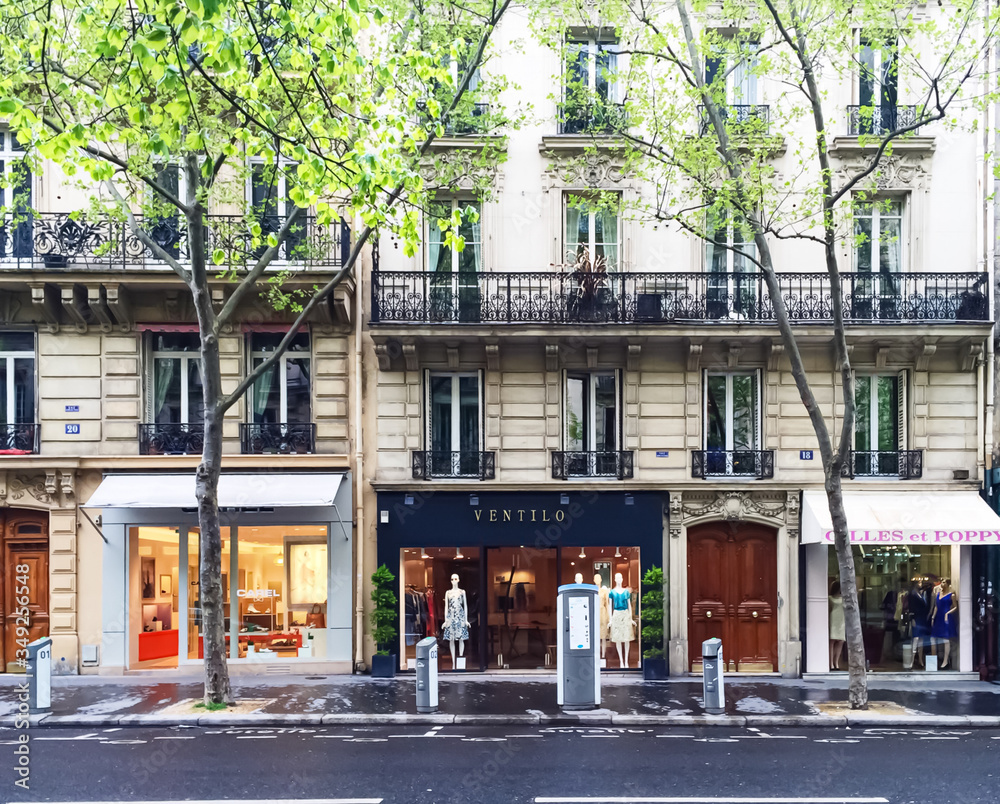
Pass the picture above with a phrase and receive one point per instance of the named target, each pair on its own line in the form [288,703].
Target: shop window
[732,423]
[454,275]
[908,599]
[879,424]
[16,224]
[454,423]
[17,393]
[175,383]
[282,394]
[592,423]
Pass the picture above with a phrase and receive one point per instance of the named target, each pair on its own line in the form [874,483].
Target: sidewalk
[89,701]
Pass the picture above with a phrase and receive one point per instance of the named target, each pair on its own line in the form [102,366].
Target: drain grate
[278,668]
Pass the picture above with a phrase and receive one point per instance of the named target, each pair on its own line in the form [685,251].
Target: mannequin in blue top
[620,611]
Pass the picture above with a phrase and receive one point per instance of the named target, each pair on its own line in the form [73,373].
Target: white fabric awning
[245,490]
[904,517]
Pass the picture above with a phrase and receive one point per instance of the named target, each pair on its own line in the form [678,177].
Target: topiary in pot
[384,622]
[654,665]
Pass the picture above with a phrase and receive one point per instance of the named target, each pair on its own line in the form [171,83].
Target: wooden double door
[24,559]
[733,594]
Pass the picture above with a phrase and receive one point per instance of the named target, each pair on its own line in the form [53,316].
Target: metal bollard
[427,675]
[40,675]
[712,679]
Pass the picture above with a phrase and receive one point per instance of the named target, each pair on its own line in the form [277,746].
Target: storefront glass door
[522,584]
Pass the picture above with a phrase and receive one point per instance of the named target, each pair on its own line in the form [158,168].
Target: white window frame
[878,69]
[876,219]
[7,358]
[590,426]
[902,411]
[592,45]
[184,357]
[730,247]
[591,230]
[456,434]
[282,378]
[758,430]
[430,221]
[8,156]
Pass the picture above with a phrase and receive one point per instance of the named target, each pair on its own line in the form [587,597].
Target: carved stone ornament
[461,169]
[907,171]
[676,515]
[67,483]
[18,486]
[792,513]
[595,170]
[735,506]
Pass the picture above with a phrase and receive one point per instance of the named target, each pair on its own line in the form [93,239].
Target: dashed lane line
[703,800]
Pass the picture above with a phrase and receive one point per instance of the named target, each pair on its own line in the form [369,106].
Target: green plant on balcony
[590,298]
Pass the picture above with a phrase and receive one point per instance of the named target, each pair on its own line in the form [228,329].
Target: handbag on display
[315,618]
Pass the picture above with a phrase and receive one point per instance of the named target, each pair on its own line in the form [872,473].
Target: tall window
[880,423]
[17,391]
[729,256]
[454,423]
[732,422]
[878,258]
[592,423]
[591,229]
[877,85]
[165,221]
[739,72]
[176,384]
[270,186]
[15,198]
[589,87]
[282,393]
[454,290]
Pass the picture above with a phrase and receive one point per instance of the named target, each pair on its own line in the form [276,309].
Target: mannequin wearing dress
[456,619]
[944,624]
[622,632]
[837,625]
[603,595]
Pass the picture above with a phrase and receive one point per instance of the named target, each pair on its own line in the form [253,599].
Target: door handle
[755,614]
[708,614]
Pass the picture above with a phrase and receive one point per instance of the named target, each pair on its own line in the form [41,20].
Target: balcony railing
[70,240]
[740,118]
[592,464]
[562,297]
[18,439]
[171,439]
[906,464]
[592,117]
[732,463]
[471,124]
[429,465]
[275,438]
[879,120]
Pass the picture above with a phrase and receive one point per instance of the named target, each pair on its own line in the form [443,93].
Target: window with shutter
[732,422]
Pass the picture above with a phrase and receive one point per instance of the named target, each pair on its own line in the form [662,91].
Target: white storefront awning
[244,490]
[903,517]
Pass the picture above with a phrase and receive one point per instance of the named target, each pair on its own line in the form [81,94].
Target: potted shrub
[384,623]
[654,664]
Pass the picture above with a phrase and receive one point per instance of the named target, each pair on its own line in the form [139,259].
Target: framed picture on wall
[602,568]
[306,572]
[147,578]
[166,586]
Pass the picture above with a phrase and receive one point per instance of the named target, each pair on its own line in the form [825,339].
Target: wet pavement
[502,695]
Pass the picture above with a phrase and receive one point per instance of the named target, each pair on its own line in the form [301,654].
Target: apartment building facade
[102,430]
[534,421]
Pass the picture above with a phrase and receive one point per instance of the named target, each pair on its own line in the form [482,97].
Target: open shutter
[481,387]
[901,412]
[428,441]
[146,356]
[758,410]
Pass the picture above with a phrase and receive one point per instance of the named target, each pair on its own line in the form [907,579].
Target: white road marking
[939,738]
[333,736]
[174,738]
[703,800]
[230,801]
[257,737]
[675,736]
[539,736]
[600,735]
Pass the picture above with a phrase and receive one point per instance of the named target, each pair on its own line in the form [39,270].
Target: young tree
[711,155]
[160,106]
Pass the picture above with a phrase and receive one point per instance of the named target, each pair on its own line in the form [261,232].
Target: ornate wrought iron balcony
[171,439]
[275,438]
[70,240]
[563,297]
[429,465]
[741,118]
[907,464]
[592,117]
[879,120]
[732,463]
[18,439]
[471,124]
[592,464]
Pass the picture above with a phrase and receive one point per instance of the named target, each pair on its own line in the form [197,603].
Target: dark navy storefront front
[509,552]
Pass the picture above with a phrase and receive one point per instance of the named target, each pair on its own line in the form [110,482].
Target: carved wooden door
[24,582]
[732,594]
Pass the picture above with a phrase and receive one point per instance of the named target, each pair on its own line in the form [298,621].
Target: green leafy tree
[709,155]
[159,108]
[652,613]
[384,611]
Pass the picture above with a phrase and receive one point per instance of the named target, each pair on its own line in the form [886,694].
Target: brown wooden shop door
[733,593]
[24,553]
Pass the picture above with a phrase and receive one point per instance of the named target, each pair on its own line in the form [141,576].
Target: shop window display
[908,600]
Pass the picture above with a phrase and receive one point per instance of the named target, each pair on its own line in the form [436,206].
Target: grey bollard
[427,675]
[40,675]
[712,668]
[578,658]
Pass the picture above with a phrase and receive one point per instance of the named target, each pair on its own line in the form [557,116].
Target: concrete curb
[548,719]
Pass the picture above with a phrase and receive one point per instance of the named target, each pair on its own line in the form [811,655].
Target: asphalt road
[507,764]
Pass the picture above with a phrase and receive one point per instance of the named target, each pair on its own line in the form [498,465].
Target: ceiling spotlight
[423,552]
[582,554]
[564,499]
[473,499]
[279,560]
[408,499]
[458,552]
[618,552]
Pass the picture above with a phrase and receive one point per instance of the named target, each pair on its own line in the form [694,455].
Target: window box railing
[432,464]
[740,119]
[470,124]
[732,463]
[592,464]
[592,117]
[879,120]
[562,297]
[906,464]
[71,240]
[18,439]
[171,439]
[277,438]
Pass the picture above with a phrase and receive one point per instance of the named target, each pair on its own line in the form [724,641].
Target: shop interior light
[473,499]
[458,552]
[279,560]
[564,499]
[629,499]
[423,552]
[582,554]
[407,499]
[618,552]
